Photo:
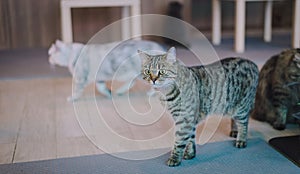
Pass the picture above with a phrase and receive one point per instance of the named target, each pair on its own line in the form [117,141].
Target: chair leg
[125,23]
[268,21]
[136,21]
[296,25]
[216,22]
[240,14]
[66,23]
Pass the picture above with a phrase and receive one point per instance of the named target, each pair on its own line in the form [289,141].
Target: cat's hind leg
[101,87]
[240,129]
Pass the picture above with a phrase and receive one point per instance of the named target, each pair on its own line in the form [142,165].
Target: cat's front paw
[240,144]
[188,156]
[173,162]
[190,151]
[278,126]
[118,94]
[72,99]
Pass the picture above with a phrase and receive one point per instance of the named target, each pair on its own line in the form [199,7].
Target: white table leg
[296,25]
[125,23]
[240,12]
[66,23]
[129,28]
[216,22]
[268,21]
[136,20]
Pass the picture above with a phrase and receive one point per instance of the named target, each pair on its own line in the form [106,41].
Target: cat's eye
[162,71]
[147,72]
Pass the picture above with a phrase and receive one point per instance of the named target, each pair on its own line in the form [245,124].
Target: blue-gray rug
[212,158]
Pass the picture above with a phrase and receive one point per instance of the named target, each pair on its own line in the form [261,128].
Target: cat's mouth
[160,85]
[156,85]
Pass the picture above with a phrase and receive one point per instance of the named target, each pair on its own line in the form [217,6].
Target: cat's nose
[153,79]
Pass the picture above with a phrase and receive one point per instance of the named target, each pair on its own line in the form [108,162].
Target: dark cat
[278,89]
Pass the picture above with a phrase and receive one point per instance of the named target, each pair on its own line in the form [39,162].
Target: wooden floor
[37,123]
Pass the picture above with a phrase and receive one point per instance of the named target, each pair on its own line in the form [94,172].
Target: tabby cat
[278,89]
[192,93]
[120,59]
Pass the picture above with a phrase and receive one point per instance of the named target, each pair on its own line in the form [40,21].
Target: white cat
[100,63]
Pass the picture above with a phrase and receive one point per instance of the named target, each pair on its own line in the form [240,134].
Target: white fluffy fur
[113,61]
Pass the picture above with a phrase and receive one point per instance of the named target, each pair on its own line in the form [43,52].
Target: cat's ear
[144,56]
[171,55]
[296,59]
[59,44]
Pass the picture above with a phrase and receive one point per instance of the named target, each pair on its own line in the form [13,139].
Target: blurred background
[36,24]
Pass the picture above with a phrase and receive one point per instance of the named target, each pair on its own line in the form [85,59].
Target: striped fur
[278,88]
[192,93]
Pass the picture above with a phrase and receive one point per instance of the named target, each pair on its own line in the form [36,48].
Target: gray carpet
[27,64]
[212,158]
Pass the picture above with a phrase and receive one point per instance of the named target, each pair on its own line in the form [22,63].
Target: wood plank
[12,102]
[71,141]
[37,135]
[10,110]
[6,152]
